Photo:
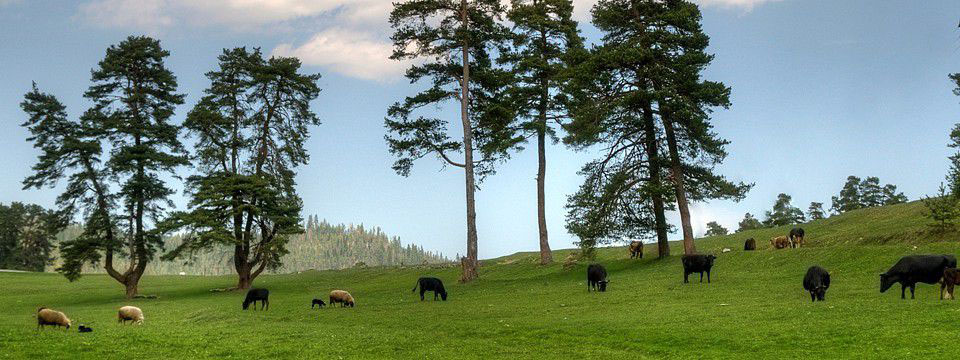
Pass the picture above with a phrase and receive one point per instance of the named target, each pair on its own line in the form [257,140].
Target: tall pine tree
[134,97]
[251,127]
[454,42]
[546,41]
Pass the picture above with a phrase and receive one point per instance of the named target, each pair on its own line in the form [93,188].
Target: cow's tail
[415,286]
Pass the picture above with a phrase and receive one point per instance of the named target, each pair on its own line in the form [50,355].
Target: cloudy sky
[822,89]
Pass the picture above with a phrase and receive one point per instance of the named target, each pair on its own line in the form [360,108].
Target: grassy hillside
[754,308]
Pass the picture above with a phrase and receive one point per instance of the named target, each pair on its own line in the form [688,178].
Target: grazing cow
[431,284]
[255,295]
[750,245]
[796,237]
[817,281]
[317,302]
[779,242]
[951,277]
[912,269]
[597,278]
[636,249]
[697,264]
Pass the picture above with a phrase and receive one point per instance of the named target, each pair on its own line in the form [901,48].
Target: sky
[821,89]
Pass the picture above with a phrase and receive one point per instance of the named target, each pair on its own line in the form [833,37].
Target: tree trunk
[546,256]
[653,159]
[244,280]
[469,264]
[677,175]
[131,283]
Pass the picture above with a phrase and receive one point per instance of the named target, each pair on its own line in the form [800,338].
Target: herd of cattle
[908,271]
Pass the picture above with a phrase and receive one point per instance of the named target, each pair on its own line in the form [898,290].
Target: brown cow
[636,249]
[951,277]
[780,242]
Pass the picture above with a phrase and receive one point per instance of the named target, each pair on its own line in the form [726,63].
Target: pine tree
[943,209]
[891,196]
[134,97]
[455,40]
[545,42]
[714,229]
[815,211]
[27,236]
[251,127]
[849,198]
[871,194]
[641,90]
[783,213]
[749,222]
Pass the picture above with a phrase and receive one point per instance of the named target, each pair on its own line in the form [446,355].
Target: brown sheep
[636,249]
[342,297]
[780,242]
[951,277]
[51,317]
[131,313]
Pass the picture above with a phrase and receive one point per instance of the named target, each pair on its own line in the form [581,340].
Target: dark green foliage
[943,209]
[440,43]
[815,211]
[749,222]
[714,229]
[251,126]
[638,94]
[783,213]
[28,233]
[859,194]
[134,96]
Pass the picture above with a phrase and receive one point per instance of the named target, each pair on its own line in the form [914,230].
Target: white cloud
[349,52]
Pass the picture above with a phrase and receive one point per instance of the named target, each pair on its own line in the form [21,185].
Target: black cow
[910,270]
[750,245]
[84,329]
[431,284]
[317,302]
[255,295]
[817,281]
[597,278]
[697,264]
[796,237]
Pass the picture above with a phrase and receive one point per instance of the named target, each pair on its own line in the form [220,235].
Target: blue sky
[822,89]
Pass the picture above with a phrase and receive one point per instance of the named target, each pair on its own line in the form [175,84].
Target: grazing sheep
[636,249]
[342,297]
[780,242]
[750,244]
[951,277]
[254,295]
[317,302]
[84,328]
[51,317]
[130,313]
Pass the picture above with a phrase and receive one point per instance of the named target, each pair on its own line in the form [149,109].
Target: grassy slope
[755,308]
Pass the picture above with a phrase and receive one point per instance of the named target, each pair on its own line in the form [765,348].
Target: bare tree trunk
[546,256]
[653,159]
[470,263]
[676,174]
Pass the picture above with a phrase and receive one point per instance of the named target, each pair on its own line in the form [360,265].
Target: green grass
[755,307]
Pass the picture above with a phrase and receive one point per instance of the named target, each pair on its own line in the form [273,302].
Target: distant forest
[323,246]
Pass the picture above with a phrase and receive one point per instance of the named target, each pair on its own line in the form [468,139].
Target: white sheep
[131,313]
[51,317]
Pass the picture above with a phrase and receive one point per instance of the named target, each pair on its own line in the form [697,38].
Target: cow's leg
[686,277]
[422,291]
[813,297]
[903,291]
[708,276]
[913,287]
[942,286]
